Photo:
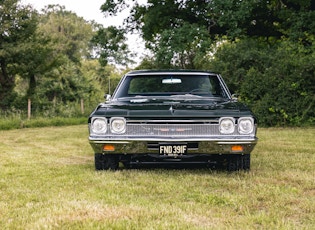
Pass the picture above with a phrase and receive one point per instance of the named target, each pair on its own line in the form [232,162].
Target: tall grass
[48,181]
[16,123]
[59,115]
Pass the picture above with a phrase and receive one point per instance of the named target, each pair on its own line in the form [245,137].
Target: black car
[172,117]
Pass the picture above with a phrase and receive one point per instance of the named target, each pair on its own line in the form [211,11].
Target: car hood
[172,107]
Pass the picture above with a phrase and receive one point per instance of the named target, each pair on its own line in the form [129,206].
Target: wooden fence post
[82,106]
[29,109]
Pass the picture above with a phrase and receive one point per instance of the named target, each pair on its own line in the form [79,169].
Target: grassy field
[48,181]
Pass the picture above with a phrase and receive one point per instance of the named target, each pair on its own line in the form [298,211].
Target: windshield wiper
[139,100]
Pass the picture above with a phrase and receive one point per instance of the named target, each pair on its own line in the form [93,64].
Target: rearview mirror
[171,81]
[235,97]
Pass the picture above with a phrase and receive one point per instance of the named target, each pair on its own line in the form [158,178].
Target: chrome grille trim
[214,121]
[172,130]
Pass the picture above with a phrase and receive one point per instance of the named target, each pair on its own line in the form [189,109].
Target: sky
[90,10]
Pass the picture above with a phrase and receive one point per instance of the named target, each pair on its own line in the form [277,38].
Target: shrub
[277,81]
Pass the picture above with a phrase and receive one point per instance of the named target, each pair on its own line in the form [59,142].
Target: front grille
[173,130]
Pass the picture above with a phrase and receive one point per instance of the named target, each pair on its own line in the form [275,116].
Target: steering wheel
[197,90]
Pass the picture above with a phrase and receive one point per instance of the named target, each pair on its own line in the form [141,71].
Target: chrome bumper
[222,145]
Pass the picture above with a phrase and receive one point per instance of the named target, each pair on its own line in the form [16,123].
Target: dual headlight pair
[117,125]
[245,125]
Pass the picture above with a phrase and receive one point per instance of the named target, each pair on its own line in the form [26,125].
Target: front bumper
[222,145]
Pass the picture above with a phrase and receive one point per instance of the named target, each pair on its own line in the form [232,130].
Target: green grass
[48,181]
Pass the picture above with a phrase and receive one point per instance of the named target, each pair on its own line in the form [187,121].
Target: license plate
[173,149]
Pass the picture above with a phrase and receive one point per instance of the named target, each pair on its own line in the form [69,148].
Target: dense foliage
[17,30]
[277,82]
[48,58]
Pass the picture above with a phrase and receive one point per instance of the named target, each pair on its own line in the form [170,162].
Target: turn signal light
[108,147]
[237,148]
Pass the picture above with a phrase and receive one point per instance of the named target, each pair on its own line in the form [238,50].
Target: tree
[17,25]
[162,24]
[68,44]
[53,72]
[41,57]
[111,47]
[181,47]
[70,34]
[176,31]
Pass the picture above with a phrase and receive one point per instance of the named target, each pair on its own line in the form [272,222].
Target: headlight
[99,125]
[118,125]
[227,125]
[245,125]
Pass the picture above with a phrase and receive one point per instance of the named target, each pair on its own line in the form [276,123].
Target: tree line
[50,58]
[264,49]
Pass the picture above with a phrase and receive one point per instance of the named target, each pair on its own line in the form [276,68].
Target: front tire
[238,162]
[106,161]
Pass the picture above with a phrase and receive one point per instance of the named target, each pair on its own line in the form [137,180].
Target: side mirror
[235,97]
[107,97]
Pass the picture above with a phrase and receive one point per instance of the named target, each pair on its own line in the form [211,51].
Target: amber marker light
[237,148]
[108,147]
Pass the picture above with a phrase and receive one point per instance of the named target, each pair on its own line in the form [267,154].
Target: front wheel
[106,161]
[238,162]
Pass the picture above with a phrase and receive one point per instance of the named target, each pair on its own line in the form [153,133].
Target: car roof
[171,71]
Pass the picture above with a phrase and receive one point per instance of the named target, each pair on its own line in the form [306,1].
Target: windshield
[169,85]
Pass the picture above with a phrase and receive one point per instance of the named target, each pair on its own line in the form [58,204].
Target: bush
[276,81]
